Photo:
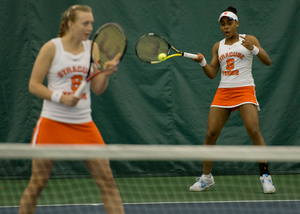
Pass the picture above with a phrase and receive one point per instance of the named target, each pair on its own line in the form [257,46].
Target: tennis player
[236,91]
[66,118]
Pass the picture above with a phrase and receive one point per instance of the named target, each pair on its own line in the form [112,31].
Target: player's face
[83,26]
[229,27]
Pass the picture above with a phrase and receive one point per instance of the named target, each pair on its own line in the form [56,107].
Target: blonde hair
[70,15]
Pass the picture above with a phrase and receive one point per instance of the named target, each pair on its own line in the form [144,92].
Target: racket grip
[189,55]
[80,88]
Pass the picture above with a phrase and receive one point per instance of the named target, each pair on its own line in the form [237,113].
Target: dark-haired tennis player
[66,118]
[236,91]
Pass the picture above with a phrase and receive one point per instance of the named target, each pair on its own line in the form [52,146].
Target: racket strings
[149,47]
[111,41]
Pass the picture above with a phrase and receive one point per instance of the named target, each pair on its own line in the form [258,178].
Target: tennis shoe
[266,182]
[202,183]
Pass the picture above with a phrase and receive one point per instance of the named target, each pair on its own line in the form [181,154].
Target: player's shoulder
[216,45]
[250,37]
[48,48]
[49,45]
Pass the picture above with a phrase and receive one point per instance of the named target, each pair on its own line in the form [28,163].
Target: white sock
[207,176]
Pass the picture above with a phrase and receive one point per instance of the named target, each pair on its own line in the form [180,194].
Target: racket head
[149,46]
[109,41]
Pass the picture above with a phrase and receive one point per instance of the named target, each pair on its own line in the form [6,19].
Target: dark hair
[71,15]
[231,9]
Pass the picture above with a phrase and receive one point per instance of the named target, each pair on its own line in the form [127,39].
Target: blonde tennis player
[66,118]
[236,91]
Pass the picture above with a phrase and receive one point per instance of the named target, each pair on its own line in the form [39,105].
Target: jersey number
[76,81]
[230,64]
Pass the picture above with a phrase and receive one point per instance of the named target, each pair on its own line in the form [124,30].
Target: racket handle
[189,55]
[80,88]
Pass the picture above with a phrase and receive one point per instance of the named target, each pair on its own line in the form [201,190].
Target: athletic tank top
[65,74]
[236,64]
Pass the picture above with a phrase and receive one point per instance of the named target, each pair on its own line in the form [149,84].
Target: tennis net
[154,178]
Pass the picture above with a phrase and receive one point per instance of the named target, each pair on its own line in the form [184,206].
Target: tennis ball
[162,57]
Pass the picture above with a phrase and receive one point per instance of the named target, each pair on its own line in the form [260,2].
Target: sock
[263,169]
[207,176]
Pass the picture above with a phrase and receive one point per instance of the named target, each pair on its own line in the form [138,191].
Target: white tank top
[65,73]
[236,64]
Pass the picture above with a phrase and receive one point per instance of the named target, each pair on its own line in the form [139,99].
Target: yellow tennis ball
[162,57]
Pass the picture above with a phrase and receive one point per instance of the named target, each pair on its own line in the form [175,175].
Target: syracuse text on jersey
[76,78]
[73,69]
[230,63]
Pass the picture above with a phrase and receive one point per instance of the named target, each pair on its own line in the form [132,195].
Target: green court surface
[156,190]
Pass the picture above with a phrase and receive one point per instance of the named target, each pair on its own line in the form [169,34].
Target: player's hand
[199,59]
[247,44]
[69,100]
[112,63]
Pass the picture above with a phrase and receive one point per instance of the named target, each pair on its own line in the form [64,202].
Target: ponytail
[63,25]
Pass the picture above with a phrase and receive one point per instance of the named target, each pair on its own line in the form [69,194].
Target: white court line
[153,203]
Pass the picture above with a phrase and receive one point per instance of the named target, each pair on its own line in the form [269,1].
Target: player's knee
[211,134]
[254,133]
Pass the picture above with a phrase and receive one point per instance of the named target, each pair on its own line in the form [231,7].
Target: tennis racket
[109,42]
[150,46]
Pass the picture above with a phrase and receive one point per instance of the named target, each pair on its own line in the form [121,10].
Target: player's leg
[216,120]
[249,115]
[40,173]
[102,174]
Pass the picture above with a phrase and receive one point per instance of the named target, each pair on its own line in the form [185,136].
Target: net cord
[152,152]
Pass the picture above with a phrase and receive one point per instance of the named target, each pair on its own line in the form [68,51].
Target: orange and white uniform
[61,124]
[237,84]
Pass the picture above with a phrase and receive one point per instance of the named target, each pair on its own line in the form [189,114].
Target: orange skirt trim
[48,131]
[235,97]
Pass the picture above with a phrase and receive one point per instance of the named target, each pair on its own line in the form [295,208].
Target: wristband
[56,95]
[203,63]
[255,50]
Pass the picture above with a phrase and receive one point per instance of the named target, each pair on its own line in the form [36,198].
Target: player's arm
[250,42]
[100,82]
[211,70]
[39,72]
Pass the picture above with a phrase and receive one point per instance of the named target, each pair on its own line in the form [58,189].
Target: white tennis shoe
[266,182]
[202,183]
